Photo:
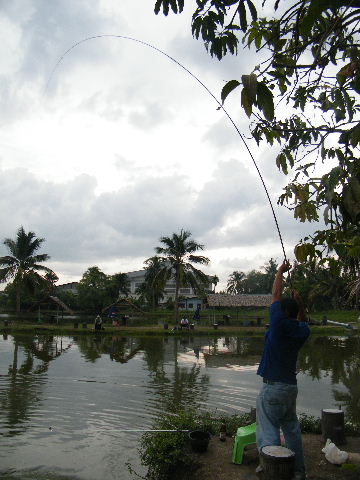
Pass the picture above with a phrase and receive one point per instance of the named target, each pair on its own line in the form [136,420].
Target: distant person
[196,316]
[98,323]
[184,323]
[276,402]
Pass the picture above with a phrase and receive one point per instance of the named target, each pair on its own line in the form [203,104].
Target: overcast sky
[119,146]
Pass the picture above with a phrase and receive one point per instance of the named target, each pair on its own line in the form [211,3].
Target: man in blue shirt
[276,402]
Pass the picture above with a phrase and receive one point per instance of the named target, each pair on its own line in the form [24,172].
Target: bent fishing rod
[220,104]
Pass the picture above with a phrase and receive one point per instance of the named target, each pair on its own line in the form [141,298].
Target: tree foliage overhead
[302,94]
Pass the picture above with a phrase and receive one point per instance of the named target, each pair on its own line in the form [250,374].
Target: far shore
[84,328]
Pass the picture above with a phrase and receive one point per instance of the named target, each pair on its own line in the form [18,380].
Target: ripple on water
[76,409]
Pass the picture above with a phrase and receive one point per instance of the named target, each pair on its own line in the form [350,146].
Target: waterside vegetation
[86,328]
[167,454]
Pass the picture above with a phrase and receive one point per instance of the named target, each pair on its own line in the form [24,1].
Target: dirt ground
[215,464]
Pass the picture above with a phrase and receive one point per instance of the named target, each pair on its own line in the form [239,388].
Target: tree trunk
[332,426]
[277,462]
[177,281]
[18,299]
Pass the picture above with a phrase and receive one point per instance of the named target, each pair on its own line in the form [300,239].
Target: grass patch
[150,330]
[69,329]
[343,316]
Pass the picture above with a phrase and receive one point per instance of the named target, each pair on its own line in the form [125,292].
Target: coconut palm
[215,281]
[119,285]
[235,283]
[22,265]
[177,259]
[153,287]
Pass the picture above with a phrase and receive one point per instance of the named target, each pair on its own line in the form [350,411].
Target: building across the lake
[68,287]
[189,300]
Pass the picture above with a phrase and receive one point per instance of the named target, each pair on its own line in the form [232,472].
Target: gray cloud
[83,229]
[78,224]
[223,135]
[47,30]
[232,189]
[121,81]
[151,115]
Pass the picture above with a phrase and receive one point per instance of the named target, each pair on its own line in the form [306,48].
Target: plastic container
[199,440]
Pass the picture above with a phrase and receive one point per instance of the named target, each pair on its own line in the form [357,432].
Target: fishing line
[202,84]
[144,430]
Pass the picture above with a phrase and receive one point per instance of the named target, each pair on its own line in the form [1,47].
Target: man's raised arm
[278,282]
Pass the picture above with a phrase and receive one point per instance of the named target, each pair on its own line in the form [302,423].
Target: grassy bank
[145,330]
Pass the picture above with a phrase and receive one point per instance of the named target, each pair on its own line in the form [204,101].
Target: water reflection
[178,385]
[338,358]
[119,349]
[26,376]
[92,388]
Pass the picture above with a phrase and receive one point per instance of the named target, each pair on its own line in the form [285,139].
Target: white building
[189,300]
[138,277]
[68,287]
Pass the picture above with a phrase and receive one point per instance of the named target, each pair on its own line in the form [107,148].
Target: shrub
[167,454]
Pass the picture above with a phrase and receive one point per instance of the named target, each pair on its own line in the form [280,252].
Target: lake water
[66,402]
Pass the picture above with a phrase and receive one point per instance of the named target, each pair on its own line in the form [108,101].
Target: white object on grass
[333,454]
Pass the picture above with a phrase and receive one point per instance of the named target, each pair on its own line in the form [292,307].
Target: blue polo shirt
[283,341]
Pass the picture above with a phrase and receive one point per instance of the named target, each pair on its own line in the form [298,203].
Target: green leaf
[196,27]
[355,135]
[252,9]
[281,162]
[326,214]
[344,138]
[157,6]
[313,13]
[246,104]
[303,251]
[349,105]
[174,6]
[265,100]
[339,115]
[355,84]
[250,84]
[341,78]
[351,198]
[258,39]
[228,88]
[242,17]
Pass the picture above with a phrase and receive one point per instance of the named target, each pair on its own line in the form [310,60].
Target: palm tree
[235,283]
[215,281]
[120,285]
[177,261]
[154,284]
[22,265]
[271,267]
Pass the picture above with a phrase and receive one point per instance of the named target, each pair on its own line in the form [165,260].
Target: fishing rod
[221,106]
[127,430]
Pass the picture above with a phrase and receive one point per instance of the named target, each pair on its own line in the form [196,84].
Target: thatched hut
[227,301]
[48,303]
